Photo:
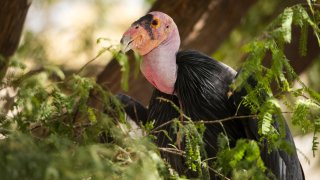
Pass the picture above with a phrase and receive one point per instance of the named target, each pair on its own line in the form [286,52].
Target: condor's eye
[155,23]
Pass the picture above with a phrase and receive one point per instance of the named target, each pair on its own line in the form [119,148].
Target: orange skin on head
[142,42]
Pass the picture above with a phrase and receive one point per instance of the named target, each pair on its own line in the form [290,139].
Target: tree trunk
[12,17]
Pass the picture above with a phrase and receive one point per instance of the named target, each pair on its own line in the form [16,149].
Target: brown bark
[216,24]
[203,25]
[12,17]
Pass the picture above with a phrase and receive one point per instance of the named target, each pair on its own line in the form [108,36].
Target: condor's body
[199,86]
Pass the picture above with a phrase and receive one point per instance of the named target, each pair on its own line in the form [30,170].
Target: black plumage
[201,91]
[133,108]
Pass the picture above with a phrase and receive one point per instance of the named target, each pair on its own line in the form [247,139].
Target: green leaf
[315,140]
[314,95]
[55,70]
[245,155]
[124,63]
[266,123]
[91,115]
[286,24]
[303,40]
[138,60]
[300,114]
[310,6]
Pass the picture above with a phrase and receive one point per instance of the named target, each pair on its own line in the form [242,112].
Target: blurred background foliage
[64,33]
[59,38]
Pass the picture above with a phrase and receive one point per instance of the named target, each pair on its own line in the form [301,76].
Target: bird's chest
[161,75]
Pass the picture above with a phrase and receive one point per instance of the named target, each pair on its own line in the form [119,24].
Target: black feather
[201,92]
[136,111]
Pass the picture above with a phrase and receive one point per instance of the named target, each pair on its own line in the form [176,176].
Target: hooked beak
[126,43]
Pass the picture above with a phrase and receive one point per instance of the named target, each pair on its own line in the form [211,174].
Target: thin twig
[204,122]
[181,153]
[173,151]
[156,130]
[217,172]
[175,107]
[227,119]
[162,125]
[209,159]
[308,98]
[93,59]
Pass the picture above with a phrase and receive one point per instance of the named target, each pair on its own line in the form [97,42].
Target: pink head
[148,32]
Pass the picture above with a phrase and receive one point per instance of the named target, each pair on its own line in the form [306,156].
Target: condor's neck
[159,65]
